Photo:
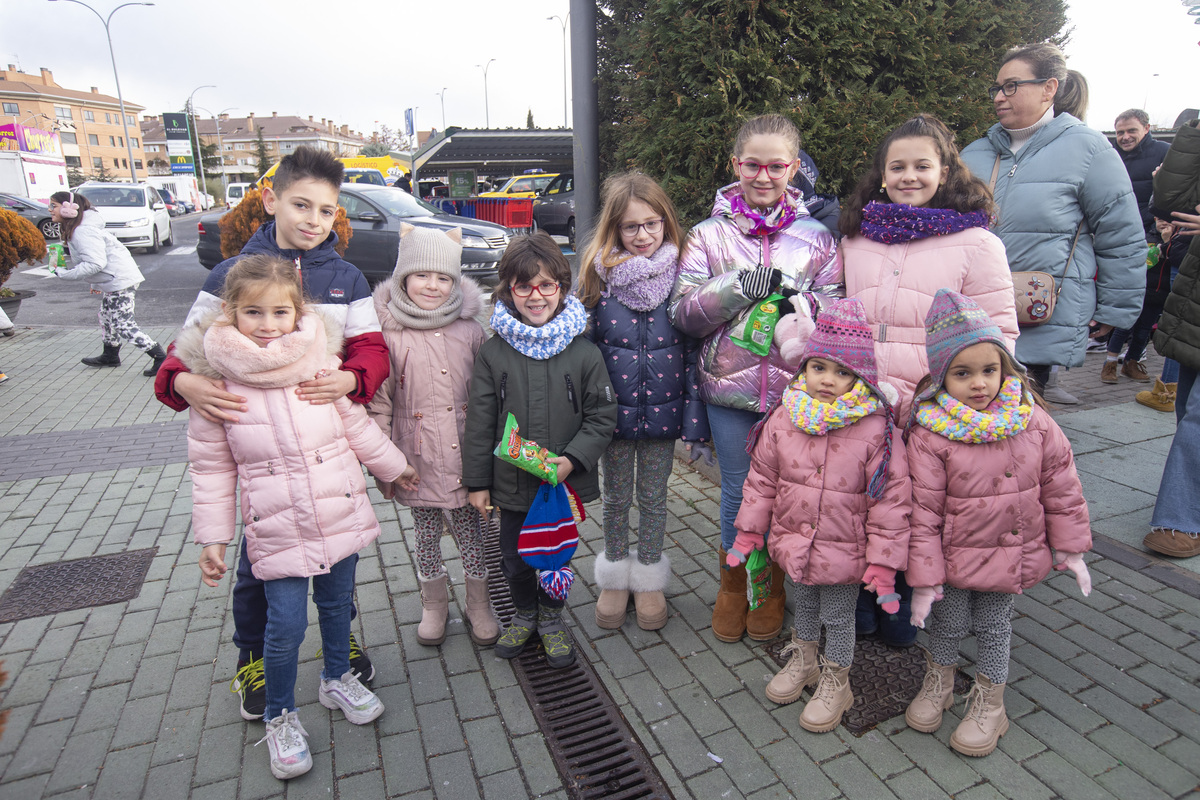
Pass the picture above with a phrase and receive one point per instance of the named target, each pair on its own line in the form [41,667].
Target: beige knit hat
[427,250]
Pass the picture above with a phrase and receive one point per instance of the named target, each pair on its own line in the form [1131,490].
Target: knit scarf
[892,223]
[410,315]
[544,342]
[817,418]
[640,283]
[752,223]
[1006,416]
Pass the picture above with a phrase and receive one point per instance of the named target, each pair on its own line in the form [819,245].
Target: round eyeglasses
[650,226]
[775,170]
[547,289]
[1010,88]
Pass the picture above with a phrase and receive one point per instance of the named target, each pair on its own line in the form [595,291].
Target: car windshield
[397,202]
[132,197]
[366,176]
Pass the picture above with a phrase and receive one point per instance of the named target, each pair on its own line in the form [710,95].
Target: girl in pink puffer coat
[994,491]
[828,478]
[303,496]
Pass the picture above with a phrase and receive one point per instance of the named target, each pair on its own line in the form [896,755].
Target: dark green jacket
[1177,188]
[565,403]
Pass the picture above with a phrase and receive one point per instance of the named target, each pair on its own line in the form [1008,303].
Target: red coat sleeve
[164,381]
[366,355]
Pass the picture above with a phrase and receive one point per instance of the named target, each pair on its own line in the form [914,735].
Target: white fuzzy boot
[648,582]
[612,578]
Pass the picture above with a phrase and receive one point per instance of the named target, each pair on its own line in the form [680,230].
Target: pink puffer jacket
[811,492]
[897,282]
[986,515]
[303,496]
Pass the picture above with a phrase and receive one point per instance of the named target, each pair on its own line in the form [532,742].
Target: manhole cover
[884,680]
[82,583]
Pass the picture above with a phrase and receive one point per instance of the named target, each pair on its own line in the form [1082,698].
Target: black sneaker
[514,638]
[556,642]
[250,684]
[359,662]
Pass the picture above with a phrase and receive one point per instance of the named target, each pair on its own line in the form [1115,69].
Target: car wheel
[154,247]
[50,229]
[170,235]
[571,232]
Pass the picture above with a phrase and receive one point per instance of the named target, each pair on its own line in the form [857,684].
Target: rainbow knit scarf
[816,418]
[1007,415]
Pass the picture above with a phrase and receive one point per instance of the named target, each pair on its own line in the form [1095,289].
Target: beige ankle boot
[800,671]
[482,622]
[647,582]
[1160,398]
[985,721]
[435,608]
[612,579]
[924,713]
[830,699]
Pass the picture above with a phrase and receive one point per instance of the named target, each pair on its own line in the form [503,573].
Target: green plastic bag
[758,577]
[757,330]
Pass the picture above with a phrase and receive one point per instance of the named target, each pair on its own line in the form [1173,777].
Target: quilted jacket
[1177,188]
[99,256]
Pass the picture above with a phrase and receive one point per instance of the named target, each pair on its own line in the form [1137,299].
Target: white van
[235,192]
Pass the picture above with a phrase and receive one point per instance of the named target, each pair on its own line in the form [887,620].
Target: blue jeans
[730,427]
[1170,371]
[1178,504]
[287,618]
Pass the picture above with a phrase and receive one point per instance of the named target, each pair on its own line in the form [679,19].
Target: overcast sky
[374,58]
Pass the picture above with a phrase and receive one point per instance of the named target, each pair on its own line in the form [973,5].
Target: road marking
[181,251]
[43,271]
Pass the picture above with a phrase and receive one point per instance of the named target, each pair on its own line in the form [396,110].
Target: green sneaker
[556,642]
[517,634]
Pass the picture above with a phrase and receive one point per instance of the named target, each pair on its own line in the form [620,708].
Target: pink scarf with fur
[289,360]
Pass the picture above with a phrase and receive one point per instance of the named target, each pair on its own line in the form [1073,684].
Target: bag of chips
[756,331]
[525,453]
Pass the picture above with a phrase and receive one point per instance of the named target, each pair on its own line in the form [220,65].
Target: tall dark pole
[586,139]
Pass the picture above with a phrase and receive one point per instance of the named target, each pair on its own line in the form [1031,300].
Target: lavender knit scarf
[892,223]
[640,283]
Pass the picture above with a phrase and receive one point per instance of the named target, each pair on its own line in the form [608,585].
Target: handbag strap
[995,174]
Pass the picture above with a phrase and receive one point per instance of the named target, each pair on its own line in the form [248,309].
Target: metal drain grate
[884,680]
[595,750]
[69,585]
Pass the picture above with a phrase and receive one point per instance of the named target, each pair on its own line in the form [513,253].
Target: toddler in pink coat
[829,480]
[994,492]
[304,503]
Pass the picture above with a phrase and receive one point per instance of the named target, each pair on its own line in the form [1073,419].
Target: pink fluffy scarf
[289,360]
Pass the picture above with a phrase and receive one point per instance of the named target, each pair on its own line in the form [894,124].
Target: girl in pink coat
[427,311]
[828,478]
[303,496]
[994,492]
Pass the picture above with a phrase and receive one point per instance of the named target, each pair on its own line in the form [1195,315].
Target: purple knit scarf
[892,223]
[640,283]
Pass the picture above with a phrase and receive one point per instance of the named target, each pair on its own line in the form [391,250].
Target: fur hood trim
[472,304]
[189,347]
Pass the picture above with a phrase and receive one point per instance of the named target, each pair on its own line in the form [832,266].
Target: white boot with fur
[612,578]
[648,582]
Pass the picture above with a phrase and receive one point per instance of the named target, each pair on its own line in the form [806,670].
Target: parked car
[554,208]
[174,207]
[32,210]
[375,214]
[523,185]
[133,212]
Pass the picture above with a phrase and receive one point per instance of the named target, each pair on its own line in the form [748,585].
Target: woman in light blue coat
[1062,194]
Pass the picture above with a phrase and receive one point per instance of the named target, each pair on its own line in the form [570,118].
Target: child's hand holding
[388,490]
[745,544]
[409,479]
[1074,562]
[922,602]
[699,450]
[327,387]
[212,564]
[564,465]
[481,501]
[882,581]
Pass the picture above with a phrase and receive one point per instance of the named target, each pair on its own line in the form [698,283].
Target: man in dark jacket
[1142,154]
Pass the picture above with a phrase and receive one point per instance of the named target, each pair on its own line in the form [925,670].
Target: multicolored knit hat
[954,323]
[549,537]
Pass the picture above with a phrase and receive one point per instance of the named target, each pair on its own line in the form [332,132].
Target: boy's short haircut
[524,258]
[307,162]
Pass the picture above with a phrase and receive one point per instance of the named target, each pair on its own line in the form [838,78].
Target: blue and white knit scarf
[544,342]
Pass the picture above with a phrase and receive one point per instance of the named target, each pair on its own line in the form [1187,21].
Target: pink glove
[745,544]
[1074,562]
[882,581]
[922,601]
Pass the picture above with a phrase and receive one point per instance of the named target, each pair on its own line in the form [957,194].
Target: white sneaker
[289,749]
[357,702]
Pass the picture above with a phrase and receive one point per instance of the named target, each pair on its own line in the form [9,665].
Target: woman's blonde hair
[1047,61]
[619,192]
[252,275]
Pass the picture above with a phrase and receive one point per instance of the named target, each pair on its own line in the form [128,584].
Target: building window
[73,161]
[137,163]
[125,163]
[108,118]
[62,112]
[228,147]
[11,109]
[121,141]
[68,137]
[133,141]
[130,120]
[97,162]
[93,139]
[89,116]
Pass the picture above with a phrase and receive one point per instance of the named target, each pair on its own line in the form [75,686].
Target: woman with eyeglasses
[759,240]
[1064,206]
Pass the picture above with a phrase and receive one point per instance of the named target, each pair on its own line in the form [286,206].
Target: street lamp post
[487,117]
[199,152]
[112,55]
[564,32]
[442,95]
[220,148]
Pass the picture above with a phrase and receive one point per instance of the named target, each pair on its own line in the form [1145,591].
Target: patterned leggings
[833,607]
[116,320]
[464,528]
[989,614]
[654,458]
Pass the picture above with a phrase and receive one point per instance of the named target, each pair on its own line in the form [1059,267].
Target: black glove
[759,282]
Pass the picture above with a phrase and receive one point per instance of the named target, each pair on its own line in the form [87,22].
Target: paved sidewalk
[132,700]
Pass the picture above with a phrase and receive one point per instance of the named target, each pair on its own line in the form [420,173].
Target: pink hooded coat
[811,492]
[985,515]
[303,496]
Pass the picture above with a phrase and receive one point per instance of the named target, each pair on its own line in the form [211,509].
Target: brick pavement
[131,700]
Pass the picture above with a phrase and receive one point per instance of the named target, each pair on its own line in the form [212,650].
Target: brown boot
[985,721]
[924,713]
[765,622]
[800,671]
[1135,370]
[729,612]
[435,608]
[1108,373]
[830,699]
[481,620]
[612,579]
[1160,398]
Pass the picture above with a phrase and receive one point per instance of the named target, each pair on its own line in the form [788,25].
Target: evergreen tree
[75,177]
[374,149]
[529,120]
[677,78]
[263,158]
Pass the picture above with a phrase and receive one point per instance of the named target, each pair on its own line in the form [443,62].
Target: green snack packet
[757,330]
[55,256]
[758,577]
[526,453]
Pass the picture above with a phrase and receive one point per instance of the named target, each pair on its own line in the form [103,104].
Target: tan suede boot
[765,622]
[481,620]
[647,583]
[985,721]
[1160,398]
[435,608]
[800,671]
[729,612]
[830,699]
[924,713]
[612,579]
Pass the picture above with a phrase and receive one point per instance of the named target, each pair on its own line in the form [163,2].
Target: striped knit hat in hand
[954,323]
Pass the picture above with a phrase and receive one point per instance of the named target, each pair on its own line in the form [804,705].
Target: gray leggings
[989,614]
[833,607]
[653,459]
